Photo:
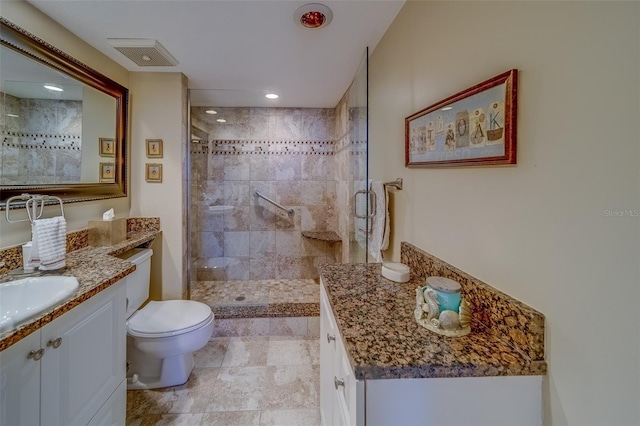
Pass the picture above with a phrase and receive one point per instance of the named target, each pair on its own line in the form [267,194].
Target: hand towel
[49,244]
[380,222]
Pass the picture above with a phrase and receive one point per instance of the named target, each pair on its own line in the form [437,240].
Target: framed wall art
[474,127]
[153,172]
[107,147]
[154,148]
[107,172]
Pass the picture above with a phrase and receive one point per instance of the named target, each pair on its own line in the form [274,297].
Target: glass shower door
[360,211]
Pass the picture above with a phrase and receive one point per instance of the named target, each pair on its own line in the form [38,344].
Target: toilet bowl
[162,336]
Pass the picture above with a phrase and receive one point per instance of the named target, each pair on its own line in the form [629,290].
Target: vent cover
[144,52]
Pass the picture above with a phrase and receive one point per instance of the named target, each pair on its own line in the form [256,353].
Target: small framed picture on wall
[153,172]
[107,172]
[107,147]
[154,148]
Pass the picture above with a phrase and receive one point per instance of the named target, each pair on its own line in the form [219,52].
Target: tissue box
[107,232]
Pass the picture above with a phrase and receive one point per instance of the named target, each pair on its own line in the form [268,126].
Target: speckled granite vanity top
[383,341]
[96,269]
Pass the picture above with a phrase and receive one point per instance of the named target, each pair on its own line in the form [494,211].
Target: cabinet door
[20,383]
[82,369]
[327,354]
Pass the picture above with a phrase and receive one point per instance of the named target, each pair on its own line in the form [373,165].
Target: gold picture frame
[107,147]
[154,148]
[107,172]
[153,172]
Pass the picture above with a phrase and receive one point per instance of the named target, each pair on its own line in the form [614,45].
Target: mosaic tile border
[240,147]
[512,321]
[272,310]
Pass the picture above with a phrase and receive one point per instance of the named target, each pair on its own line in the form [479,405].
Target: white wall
[157,111]
[26,16]
[541,231]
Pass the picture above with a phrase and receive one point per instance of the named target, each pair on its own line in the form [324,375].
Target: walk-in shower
[271,198]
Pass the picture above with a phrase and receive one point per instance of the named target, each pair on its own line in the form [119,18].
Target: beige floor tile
[232,418]
[290,387]
[238,389]
[243,351]
[192,397]
[300,417]
[167,420]
[213,353]
[289,352]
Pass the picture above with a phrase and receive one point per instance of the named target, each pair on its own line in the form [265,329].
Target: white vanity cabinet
[504,400]
[72,370]
[339,390]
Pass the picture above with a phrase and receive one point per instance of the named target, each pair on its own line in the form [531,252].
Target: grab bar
[290,212]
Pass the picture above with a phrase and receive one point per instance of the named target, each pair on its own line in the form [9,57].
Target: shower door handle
[372,199]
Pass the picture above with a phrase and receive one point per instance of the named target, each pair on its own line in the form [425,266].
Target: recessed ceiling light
[271,96]
[211,111]
[12,115]
[221,120]
[53,88]
[313,16]
[446,108]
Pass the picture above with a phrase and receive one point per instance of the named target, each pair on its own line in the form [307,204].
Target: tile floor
[243,381]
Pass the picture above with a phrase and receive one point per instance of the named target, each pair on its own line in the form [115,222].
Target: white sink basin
[23,299]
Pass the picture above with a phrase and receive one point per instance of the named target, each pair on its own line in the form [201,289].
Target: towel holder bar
[397,184]
[34,205]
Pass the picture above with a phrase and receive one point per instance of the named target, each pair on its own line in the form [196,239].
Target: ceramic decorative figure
[447,322]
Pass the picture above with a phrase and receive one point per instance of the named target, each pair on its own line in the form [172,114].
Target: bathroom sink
[25,298]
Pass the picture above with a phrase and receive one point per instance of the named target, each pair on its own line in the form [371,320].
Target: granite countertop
[383,341]
[96,269]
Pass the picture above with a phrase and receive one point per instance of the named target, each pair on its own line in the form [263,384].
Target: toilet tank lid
[169,316]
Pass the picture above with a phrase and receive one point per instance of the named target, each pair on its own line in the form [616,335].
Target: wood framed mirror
[60,119]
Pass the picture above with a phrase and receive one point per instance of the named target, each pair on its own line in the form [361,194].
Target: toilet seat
[168,318]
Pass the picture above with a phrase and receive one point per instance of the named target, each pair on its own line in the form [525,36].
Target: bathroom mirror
[63,124]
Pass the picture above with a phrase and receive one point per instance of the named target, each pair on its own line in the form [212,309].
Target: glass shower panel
[359,213]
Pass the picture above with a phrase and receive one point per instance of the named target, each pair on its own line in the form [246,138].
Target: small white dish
[394,271]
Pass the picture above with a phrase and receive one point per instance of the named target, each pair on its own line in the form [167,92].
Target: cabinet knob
[36,355]
[338,382]
[330,338]
[55,344]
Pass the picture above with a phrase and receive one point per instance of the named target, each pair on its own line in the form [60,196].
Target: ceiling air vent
[144,52]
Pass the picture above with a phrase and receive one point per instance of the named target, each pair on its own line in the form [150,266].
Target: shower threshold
[259,298]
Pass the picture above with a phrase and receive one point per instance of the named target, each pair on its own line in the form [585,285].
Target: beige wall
[157,108]
[541,231]
[26,16]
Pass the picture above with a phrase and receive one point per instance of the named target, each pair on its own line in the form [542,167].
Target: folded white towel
[49,244]
[380,223]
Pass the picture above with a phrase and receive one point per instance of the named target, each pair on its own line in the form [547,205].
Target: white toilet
[162,336]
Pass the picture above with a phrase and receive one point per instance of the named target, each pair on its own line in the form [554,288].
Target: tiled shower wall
[286,154]
[43,144]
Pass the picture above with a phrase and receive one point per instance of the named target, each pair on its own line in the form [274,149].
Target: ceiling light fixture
[447,108]
[12,115]
[221,120]
[271,96]
[211,111]
[53,88]
[313,16]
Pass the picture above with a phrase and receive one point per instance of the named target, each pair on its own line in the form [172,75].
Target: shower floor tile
[259,298]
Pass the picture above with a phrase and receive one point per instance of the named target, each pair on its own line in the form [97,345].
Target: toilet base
[153,373]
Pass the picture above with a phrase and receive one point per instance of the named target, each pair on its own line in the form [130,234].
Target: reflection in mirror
[60,121]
